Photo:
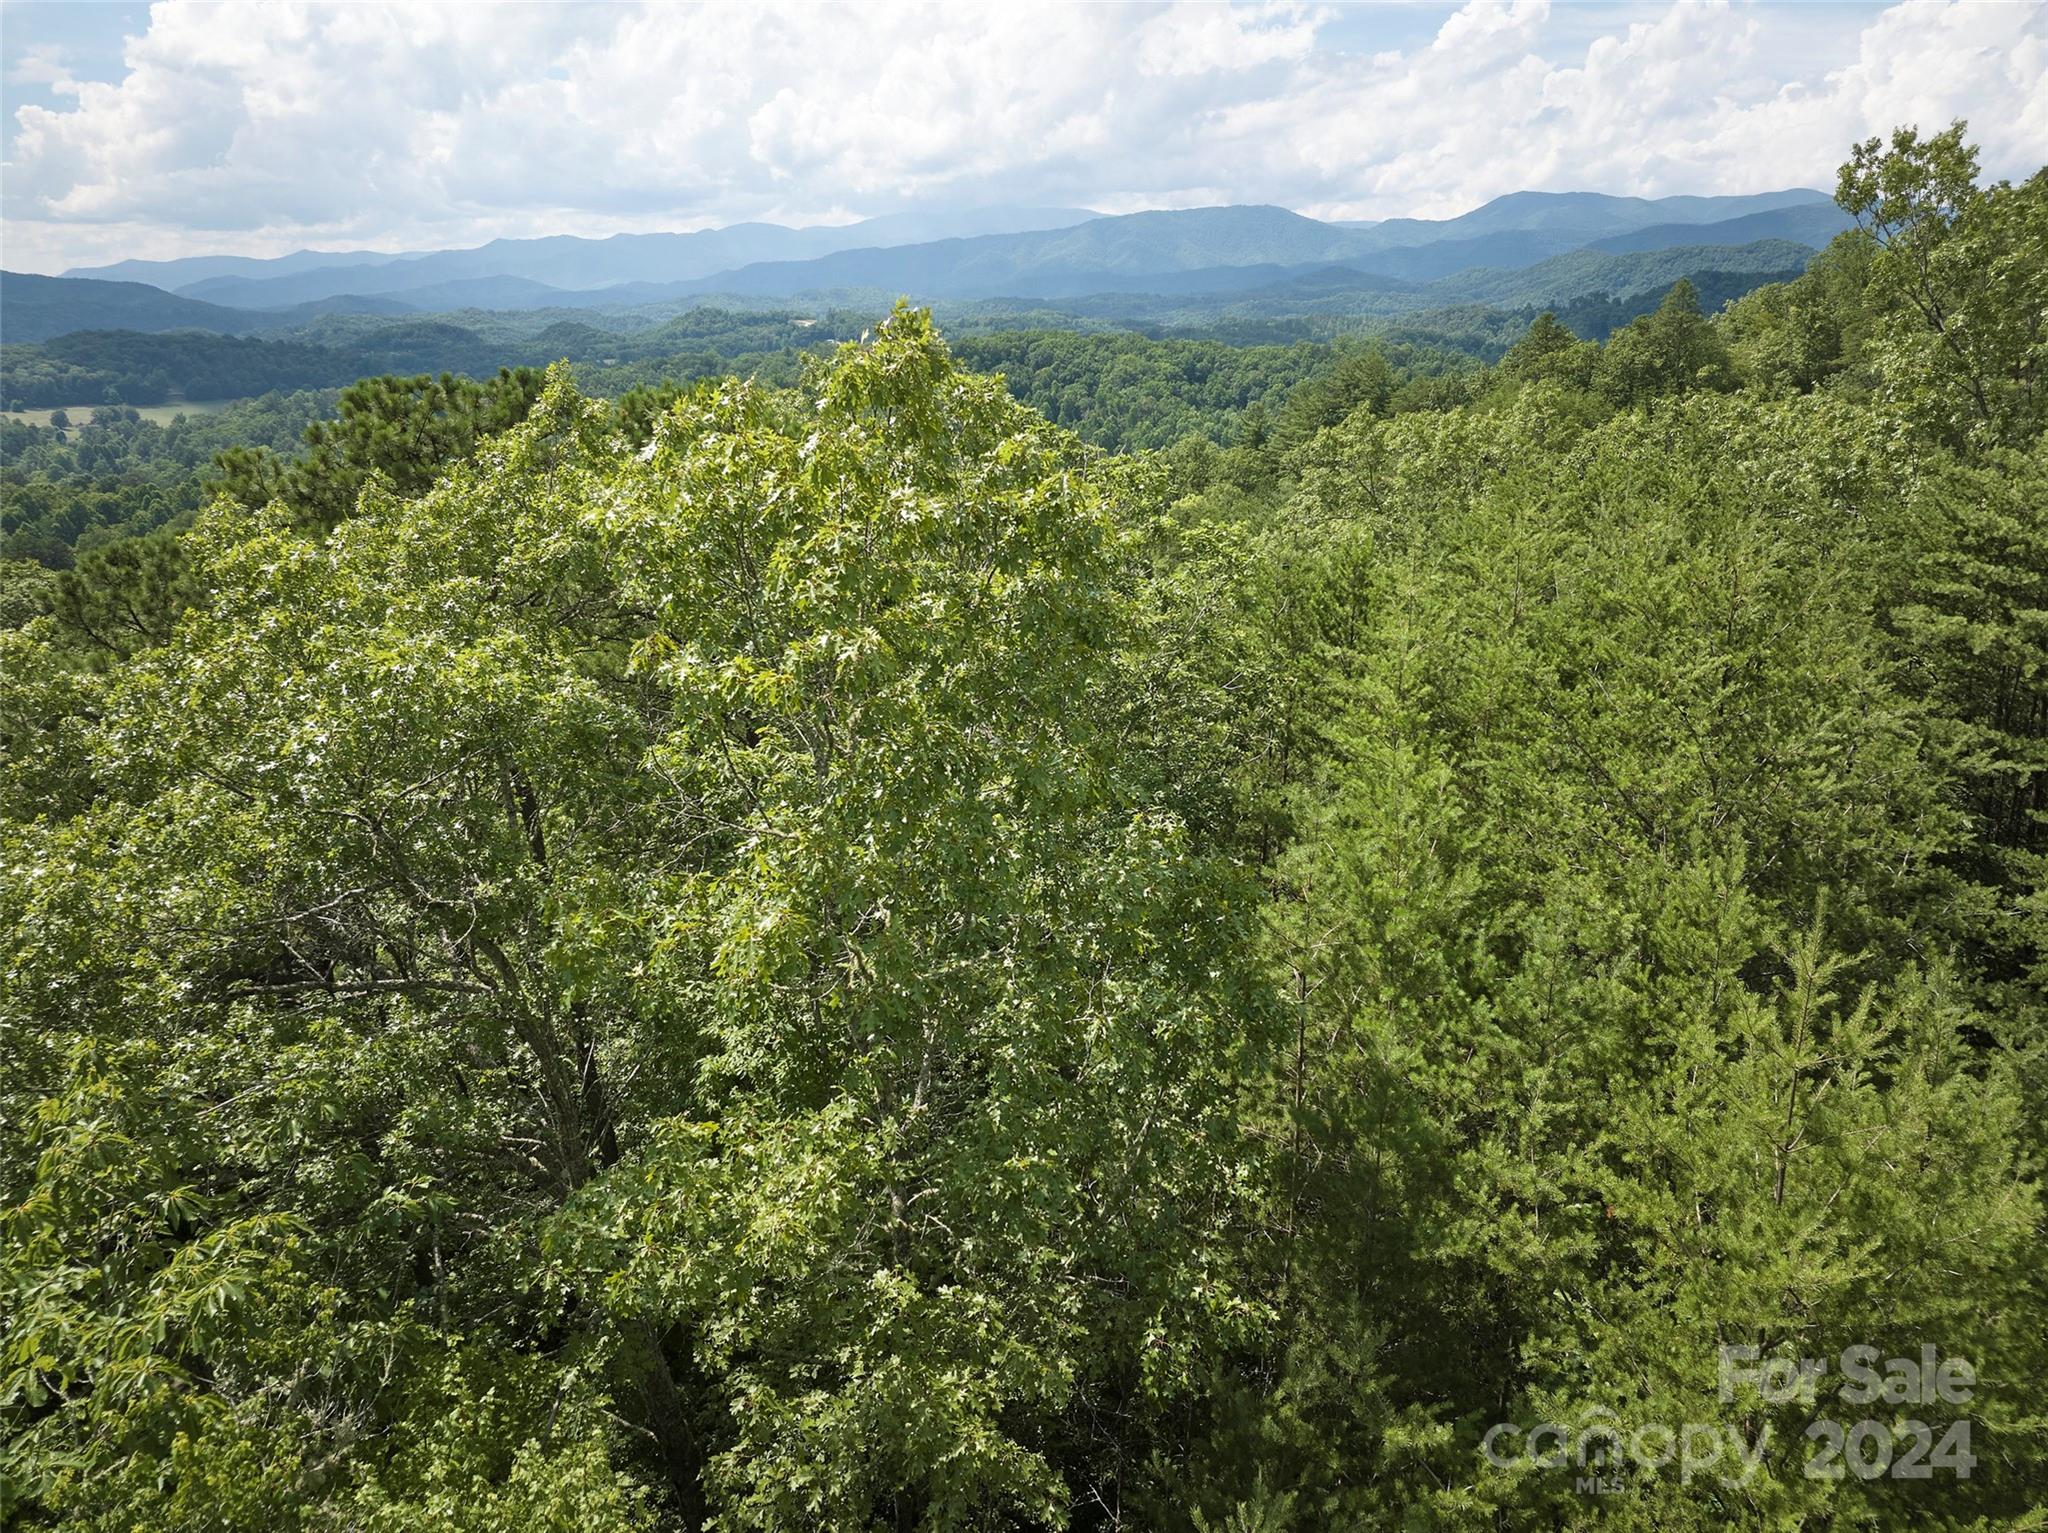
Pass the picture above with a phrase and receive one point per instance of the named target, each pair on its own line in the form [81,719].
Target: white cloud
[1198,39]
[263,127]
[41,64]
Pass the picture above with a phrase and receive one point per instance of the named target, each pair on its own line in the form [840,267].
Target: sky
[257,128]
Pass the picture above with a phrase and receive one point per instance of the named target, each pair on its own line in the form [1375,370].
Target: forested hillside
[1059,931]
[38,308]
[938,251]
[69,488]
[1596,290]
[236,325]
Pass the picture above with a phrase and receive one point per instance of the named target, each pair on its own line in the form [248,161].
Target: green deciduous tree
[1671,351]
[634,982]
[1790,337]
[1961,278]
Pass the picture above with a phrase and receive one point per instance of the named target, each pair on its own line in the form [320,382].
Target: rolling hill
[36,308]
[1563,278]
[1811,224]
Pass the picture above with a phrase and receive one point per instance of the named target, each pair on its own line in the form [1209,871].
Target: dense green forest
[1353,934]
[68,487]
[67,490]
[621,348]
[127,367]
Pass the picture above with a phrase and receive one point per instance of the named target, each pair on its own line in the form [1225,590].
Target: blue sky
[185,127]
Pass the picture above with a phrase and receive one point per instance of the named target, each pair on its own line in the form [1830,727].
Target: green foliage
[124,367]
[123,597]
[397,432]
[1792,337]
[1360,380]
[1619,828]
[1965,603]
[63,493]
[837,957]
[1669,352]
[1961,281]
[1565,278]
[25,591]
[661,937]
[1128,392]
[1598,315]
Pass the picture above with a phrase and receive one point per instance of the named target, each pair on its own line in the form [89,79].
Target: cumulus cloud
[1199,39]
[41,64]
[262,127]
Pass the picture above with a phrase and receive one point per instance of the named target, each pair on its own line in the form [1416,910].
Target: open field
[163,415]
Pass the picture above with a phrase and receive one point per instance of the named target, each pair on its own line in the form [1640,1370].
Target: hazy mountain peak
[1035,254]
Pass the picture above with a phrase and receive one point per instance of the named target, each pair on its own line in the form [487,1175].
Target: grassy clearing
[162,415]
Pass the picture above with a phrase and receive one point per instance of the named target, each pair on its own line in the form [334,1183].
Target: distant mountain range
[173,275]
[1525,248]
[1156,252]
[1586,215]
[565,262]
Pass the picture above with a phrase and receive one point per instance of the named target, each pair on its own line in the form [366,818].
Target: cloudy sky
[186,128]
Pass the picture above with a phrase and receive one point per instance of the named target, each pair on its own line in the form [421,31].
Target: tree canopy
[827,953]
